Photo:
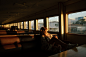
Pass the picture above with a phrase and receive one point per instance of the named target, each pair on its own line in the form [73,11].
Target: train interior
[21,20]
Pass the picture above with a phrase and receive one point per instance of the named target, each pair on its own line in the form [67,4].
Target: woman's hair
[42,30]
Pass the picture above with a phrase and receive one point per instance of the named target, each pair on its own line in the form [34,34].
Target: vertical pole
[35,25]
[61,20]
[46,24]
[29,25]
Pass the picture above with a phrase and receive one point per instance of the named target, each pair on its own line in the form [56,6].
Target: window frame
[67,21]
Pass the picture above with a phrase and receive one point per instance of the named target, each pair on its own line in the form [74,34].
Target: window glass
[77,22]
[54,23]
[11,25]
[7,25]
[40,23]
[21,25]
[25,24]
[32,24]
[15,24]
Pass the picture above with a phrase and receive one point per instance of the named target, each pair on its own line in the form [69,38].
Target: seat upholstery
[16,44]
[11,46]
[9,40]
[4,32]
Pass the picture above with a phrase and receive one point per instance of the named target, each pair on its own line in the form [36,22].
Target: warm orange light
[47,22]
[62,24]
[36,24]
[18,24]
[29,24]
[25,25]
[66,23]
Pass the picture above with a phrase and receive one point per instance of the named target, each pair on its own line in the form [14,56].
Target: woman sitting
[50,42]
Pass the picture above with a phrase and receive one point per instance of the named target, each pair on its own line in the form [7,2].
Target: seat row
[4,32]
[16,44]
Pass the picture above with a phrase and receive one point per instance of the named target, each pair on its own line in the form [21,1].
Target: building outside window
[77,22]
[32,24]
[21,25]
[25,24]
[15,24]
[40,23]
[54,24]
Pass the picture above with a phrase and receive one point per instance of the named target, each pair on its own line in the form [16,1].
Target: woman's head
[43,30]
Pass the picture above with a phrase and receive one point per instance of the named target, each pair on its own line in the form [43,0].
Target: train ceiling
[11,10]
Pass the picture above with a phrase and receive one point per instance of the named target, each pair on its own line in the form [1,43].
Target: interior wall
[80,39]
[75,38]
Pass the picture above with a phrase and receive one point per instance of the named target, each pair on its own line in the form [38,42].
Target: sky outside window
[77,14]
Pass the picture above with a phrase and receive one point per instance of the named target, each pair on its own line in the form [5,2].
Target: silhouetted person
[13,31]
[52,43]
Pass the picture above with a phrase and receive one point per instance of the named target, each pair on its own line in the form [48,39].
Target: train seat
[16,44]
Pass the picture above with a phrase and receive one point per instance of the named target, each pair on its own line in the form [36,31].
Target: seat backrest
[4,32]
[9,40]
[26,38]
[14,38]
[20,31]
[26,42]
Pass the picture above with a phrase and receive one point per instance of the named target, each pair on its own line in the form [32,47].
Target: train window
[77,22]
[32,24]
[7,25]
[40,23]
[11,25]
[15,24]
[21,25]
[25,24]
[3,25]
[54,24]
